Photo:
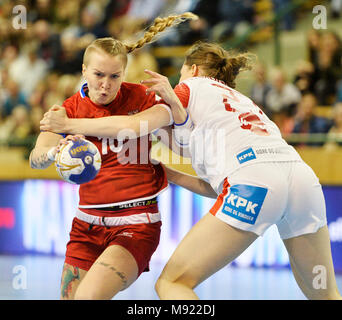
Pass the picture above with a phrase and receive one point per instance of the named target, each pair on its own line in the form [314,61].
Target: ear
[84,69]
[194,70]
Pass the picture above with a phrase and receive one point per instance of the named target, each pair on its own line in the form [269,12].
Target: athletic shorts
[85,245]
[287,194]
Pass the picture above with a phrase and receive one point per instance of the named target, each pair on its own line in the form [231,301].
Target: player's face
[104,75]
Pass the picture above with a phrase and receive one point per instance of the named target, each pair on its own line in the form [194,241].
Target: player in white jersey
[260,180]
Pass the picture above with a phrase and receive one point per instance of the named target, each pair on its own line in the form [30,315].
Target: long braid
[158,26]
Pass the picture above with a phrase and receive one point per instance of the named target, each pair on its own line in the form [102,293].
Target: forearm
[45,150]
[40,158]
[191,183]
[105,127]
[178,111]
[137,125]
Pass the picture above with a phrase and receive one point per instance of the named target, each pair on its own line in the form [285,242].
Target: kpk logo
[246,155]
[244,202]
[238,202]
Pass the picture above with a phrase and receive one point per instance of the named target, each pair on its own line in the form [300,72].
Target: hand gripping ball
[78,161]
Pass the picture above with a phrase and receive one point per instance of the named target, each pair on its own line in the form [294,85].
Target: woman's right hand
[66,140]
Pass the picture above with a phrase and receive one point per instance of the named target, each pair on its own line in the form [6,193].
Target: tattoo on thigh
[70,274]
[121,275]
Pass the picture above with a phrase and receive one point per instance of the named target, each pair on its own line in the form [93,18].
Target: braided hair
[116,47]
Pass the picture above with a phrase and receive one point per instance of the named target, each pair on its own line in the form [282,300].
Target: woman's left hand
[55,120]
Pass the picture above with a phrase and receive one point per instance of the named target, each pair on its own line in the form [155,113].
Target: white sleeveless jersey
[230,130]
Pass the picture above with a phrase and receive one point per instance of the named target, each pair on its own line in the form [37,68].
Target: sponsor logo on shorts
[126,234]
[246,155]
[244,202]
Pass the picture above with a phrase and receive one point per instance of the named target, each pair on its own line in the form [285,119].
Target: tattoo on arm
[40,162]
[121,275]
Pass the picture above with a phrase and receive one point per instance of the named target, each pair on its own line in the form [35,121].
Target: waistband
[145,217]
[129,205]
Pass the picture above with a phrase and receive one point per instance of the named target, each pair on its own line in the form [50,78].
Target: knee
[164,284]
[161,285]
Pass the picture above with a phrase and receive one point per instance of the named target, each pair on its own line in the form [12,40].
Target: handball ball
[78,161]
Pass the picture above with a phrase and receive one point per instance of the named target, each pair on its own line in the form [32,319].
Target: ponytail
[218,63]
[158,26]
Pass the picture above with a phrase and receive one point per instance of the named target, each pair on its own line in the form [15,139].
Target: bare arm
[39,158]
[190,183]
[139,124]
[166,136]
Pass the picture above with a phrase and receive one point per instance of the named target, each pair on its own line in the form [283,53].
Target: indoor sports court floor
[38,278]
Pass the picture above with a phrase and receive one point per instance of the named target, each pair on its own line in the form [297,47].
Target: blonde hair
[115,47]
[218,63]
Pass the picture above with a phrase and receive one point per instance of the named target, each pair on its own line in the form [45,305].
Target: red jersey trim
[183,93]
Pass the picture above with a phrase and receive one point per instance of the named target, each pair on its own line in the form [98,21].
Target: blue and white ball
[78,161]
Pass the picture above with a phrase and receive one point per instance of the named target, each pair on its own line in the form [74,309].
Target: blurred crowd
[40,64]
[316,85]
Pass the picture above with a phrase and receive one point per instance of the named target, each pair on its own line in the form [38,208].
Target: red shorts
[85,245]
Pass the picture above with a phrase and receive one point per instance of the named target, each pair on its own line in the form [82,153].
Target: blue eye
[114,76]
[98,74]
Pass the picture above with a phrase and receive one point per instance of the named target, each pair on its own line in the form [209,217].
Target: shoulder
[128,88]
[71,104]
[135,94]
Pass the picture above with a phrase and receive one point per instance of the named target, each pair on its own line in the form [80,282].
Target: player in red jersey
[117,225]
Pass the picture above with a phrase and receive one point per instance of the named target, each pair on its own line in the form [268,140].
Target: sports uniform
[119,206]
[260,179]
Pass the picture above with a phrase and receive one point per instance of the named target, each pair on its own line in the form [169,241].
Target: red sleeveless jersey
[126,173]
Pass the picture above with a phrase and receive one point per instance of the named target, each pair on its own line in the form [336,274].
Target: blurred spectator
[70,59]
[42,10]
[234,18]
[145,10]
[174,35]
[9,54]
[336,8]
[49,43]
[68,85]
[260,87]
[115,9]
[339,91]
[335,132]
[328,69]
[17,125]
[67,12]
[13,97]
[282,99]
[124,28]
[306,121]
[313,44]
[91,22]
[304,77]
[219,19]
[27,70]
[288,20]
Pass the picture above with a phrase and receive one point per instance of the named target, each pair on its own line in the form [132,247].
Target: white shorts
[287,194]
